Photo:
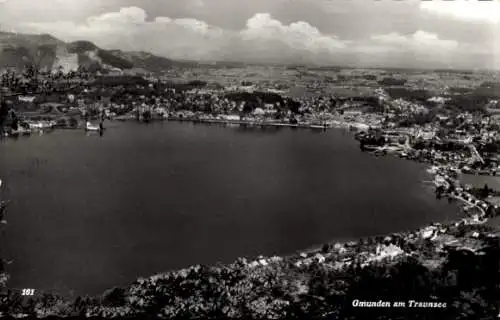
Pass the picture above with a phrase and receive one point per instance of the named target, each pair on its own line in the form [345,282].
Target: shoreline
[261,124]
[339,125]
[314,124]
[334,125]
[316,253]
[251,123]
[329,124]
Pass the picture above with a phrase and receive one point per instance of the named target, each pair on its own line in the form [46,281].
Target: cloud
[298,35]
[418,41]
[195,5]
[263,38]
[422,49]
[130,15]
[192,38]
[467,10]
[16,11]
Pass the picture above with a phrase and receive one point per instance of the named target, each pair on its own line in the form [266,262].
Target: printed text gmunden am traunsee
[398,304]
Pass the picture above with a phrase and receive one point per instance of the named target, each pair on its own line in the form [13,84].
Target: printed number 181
[28,292]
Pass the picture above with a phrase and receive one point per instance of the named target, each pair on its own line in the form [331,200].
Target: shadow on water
[100,133]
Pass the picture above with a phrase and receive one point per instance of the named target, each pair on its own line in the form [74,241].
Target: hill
[47,52]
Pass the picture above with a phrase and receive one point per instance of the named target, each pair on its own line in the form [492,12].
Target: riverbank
[324,281]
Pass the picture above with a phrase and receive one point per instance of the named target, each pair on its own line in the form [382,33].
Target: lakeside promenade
[270,123]
[31,126]
[255,123]
[326,124]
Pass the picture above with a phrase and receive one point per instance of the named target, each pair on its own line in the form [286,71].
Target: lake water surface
[91,212]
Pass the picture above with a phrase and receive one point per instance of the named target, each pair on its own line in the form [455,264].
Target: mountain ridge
[44,51]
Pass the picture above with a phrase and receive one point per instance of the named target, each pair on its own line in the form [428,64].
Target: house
[115,72]
[232,117]
[441,117]
[352,113]
[426,135]
[259,112]
[29,99]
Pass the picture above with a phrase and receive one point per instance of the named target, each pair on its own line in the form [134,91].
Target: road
[483,212]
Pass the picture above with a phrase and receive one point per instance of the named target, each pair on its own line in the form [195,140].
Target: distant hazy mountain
[19,50]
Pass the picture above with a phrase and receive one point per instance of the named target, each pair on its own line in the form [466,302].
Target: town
[453,127]
[446,119]
[250,159]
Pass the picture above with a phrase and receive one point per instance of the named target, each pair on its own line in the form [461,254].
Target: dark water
[479,181]
[92,212]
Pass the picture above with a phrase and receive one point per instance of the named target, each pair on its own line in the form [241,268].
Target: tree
[4,113]
[146,115]
[249,107]
[293,106]
[15,121]
[439,191]
[484,191]
[325,248]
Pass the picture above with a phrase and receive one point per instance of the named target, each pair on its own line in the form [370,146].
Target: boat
[40,125]
[370,147]
[90,127]
[21,131]
[380,151]
[393,148]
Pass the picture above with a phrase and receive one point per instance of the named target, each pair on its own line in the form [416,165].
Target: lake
[91,212]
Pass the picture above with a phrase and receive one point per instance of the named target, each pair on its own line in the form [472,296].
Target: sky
[367,33]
